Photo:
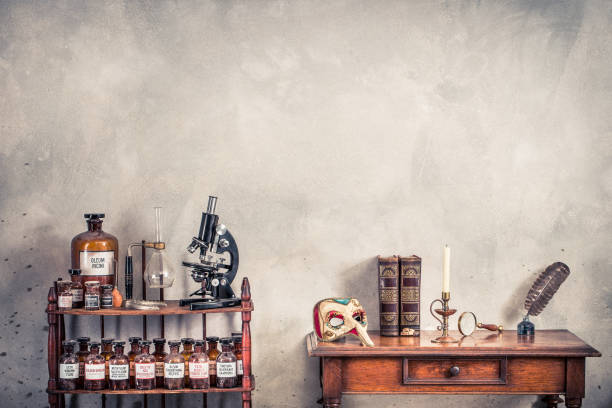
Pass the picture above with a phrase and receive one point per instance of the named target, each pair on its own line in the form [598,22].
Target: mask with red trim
[337,317]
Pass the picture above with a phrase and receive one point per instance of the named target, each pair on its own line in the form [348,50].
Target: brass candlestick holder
[445,312]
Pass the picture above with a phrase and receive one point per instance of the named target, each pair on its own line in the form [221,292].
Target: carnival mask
[337,317]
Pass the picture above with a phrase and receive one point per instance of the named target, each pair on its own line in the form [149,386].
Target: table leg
[574,382]
[551,401]
[246,399]
[332,382]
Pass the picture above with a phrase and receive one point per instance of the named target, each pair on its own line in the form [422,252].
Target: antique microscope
[218,263]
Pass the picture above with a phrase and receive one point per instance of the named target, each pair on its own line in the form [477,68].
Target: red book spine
[388,291]
[410,296]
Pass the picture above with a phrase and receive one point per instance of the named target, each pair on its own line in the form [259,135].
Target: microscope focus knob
[221,229]
[223,243]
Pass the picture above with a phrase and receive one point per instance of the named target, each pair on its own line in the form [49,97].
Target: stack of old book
[399,289]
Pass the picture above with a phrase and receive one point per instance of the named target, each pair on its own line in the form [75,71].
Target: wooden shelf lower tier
[173,308]
[153,391]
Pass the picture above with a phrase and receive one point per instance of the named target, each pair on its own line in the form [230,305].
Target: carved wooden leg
[573,402]
[247,378]
[332,382]
[52,347]
[551,401]
[246,399]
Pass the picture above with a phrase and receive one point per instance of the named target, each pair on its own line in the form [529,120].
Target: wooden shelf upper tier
[481,343]
[173,308]
[154,391]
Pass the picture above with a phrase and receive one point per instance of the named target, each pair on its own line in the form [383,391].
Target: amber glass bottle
[187,350]
[94,368]
[95,252]
[134,351]
[144,368]
[213,353]
[174,367]
[68,367]
[77,289]
[198,367]
[159,355]
[119,369]
[226,365]
[82,354]
[107,353]
[237,339]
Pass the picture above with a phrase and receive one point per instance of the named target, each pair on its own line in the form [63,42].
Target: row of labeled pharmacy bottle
[91,369]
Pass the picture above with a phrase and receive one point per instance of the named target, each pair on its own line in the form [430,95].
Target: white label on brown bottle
[174,370]
[118,371]
[159,368]
[64,301]
[77,295]
[198,371]
[95,371]
[226,370]
[239,367]
[69,371]
[145,371]
[212,370]
[97,263]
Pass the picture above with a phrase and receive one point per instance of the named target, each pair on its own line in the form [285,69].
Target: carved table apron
[551,363]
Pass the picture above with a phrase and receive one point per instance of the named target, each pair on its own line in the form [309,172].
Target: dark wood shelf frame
[57,334]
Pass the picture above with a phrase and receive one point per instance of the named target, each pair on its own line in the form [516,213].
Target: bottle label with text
[198,371]
[97,263]
[239,368]
[226,370]
[69,371]
[64,301]
[212,370]
[174,370]
[95,371]
[118,371]
[77,295]
[145,371]
[159,369]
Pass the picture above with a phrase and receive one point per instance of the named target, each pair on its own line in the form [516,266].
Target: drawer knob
[454,371]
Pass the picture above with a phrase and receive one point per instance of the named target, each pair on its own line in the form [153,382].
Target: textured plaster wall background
[331,132]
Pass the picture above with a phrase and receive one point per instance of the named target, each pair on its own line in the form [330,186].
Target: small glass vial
[226,365]
[64,295]
[160,356]
[82,355]
[68,367]
[198,367]
[107,353]
[134,351]
[77,288]
[119,369]
[213,353]
[237,339]
[144,368]
[106,298]
[92,295]
[94,368]
[174,367]
[187,350]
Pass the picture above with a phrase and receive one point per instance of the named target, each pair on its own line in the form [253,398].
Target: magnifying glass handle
[492,327]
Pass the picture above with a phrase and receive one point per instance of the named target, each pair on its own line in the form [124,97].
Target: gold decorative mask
[337,317]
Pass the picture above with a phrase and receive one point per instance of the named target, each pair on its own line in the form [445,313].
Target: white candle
[446,270]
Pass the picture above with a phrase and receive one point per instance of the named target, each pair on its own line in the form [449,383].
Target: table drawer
[454,370]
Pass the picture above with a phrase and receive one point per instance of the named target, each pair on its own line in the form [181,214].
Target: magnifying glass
[468,323]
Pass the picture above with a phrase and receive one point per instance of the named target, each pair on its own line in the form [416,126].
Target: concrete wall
[332,131]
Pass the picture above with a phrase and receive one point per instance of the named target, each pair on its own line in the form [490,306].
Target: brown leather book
[410,296]
[388,292]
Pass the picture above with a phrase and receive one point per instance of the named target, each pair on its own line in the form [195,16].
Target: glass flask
[174,367]
[68,367]
[198,367]
[119,369]
[159,271]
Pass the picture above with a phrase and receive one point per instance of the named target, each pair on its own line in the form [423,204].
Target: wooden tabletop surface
[480,343]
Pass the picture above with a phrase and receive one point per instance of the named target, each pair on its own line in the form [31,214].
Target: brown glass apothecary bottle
[174,368]
[119,369]
[226,365]
[187,351]
[107,353]
[213,353]
[82,355]
[198,367]
[144,368]
[77,289]
[237,338]
[134,351]
[95,368]
[95,252]
[160,356]
[68,367]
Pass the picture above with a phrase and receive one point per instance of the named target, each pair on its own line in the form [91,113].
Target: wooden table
[550,364]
